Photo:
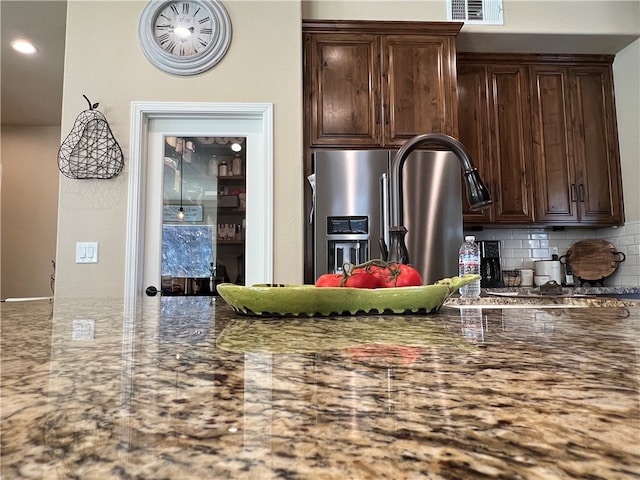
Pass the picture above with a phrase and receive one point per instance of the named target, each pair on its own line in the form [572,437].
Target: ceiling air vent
[486,12]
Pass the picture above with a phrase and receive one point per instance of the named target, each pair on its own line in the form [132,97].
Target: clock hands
[183,32]
[177,33]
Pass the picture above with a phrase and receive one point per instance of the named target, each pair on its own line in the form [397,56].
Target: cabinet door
[510,143]
[557,194]
[344,89]
[418,76]
[596,146]
[474,132]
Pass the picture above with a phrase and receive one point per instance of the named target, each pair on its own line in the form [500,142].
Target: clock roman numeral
[185,8]
[206,31]
[204,20]
[202,42]
[170,47]
[164,38]
[174,9]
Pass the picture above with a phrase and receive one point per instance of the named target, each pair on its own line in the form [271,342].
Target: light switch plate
[87,252]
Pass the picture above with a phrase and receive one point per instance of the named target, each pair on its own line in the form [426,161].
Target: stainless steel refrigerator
[351,209]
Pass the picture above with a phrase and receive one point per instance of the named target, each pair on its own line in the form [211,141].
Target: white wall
[263,64]
[29,209]
[626,71]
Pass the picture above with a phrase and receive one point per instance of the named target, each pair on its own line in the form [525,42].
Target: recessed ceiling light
[24,46]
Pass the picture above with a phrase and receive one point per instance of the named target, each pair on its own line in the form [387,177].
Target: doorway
[151,121]
[203,214]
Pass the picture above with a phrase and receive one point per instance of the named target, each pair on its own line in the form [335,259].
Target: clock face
[184,29]
[184,37]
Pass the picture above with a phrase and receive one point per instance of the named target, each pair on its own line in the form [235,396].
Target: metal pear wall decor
[90,151]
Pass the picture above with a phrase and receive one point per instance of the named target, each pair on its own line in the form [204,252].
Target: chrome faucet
[477,192]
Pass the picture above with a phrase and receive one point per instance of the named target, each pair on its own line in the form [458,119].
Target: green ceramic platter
[308,300]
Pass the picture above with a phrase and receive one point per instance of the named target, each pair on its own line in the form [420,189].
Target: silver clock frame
[193,64]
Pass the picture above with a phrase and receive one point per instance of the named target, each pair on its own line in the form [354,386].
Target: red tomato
[408,276]
[361,279]
[368,271]
[397,275]
[382,274]
[329,280]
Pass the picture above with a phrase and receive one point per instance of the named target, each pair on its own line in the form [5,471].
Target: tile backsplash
[523,246]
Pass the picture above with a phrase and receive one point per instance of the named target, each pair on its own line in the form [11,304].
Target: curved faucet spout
[477,192]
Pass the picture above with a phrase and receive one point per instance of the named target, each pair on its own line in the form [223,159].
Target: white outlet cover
[86,252]
[83,329]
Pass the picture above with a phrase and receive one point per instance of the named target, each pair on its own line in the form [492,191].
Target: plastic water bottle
[469,262]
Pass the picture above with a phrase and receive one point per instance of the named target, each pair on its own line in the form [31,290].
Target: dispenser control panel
[347,225]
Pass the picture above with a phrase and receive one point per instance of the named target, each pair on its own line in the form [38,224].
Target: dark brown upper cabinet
[494,126]
[576,154]
[542,131]
[377,84]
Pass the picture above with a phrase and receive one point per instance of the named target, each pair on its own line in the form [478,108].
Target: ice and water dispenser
[347,241]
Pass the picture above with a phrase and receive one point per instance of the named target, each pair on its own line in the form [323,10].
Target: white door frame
[259,236]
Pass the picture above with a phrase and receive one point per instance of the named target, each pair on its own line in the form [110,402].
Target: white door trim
[259,184]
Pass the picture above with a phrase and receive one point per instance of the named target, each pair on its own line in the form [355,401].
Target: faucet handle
[398,252]
[384,251]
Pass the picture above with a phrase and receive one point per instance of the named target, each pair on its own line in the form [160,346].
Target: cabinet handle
[386,114]
[573,193]
[582,193]
[495,195]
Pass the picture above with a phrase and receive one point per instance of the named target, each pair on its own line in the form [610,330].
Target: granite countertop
[620,291]
[566,296]
[176,388]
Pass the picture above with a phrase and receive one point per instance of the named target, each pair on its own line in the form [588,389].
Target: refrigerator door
[348,204]
[432,197]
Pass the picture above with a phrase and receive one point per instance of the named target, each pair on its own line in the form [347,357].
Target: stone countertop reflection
[176,388]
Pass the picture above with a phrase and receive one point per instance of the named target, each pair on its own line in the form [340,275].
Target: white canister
[552,268]
[526,277]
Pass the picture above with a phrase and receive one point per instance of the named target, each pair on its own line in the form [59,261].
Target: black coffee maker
[490,264]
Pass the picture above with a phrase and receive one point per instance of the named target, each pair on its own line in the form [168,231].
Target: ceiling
[542,43]
[32,85]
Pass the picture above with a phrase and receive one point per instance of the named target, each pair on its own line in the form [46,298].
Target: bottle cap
[470,238]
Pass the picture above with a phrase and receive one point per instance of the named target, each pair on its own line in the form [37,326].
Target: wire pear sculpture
[90,151]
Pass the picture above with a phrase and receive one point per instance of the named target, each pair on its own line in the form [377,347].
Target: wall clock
[184,37]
